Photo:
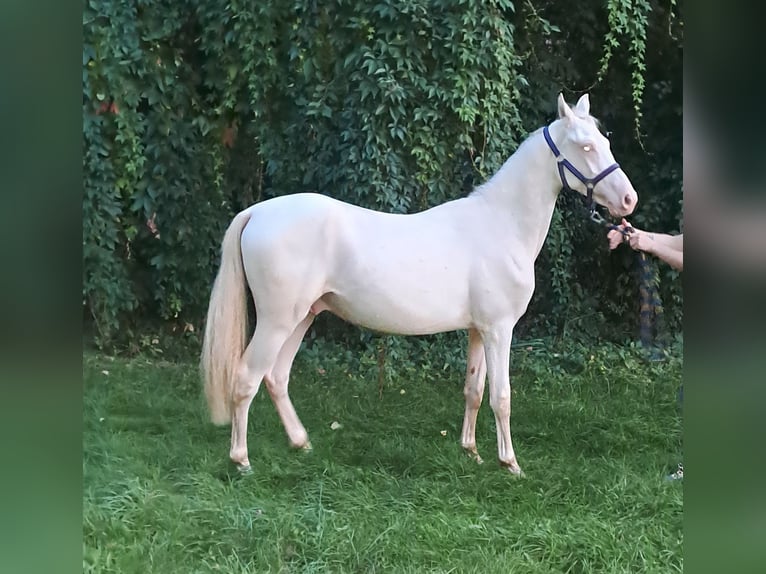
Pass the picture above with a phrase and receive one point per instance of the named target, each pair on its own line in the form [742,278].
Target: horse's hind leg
[257,360]
[475,376]
[276,383]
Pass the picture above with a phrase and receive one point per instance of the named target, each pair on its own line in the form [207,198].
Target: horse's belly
[418,314]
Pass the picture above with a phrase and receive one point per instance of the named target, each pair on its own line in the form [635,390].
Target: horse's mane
[479,189]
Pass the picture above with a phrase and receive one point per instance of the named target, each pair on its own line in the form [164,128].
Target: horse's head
[585,160]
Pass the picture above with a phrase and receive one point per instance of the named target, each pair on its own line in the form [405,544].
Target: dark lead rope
[650,304]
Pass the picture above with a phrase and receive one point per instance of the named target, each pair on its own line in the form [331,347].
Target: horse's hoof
[513,467]
[244,469]
[307,447]
[473,454]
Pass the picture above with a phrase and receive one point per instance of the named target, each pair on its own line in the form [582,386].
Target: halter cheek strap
[563,163]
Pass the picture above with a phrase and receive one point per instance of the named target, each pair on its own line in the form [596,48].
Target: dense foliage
[193,109]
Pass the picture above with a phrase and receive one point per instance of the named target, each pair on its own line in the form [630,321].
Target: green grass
[387,492]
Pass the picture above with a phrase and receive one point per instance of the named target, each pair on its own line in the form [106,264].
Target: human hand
[616,236]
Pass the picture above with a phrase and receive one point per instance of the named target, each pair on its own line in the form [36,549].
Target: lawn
[595,429]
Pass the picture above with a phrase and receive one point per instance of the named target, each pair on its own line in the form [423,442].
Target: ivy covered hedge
[194,109]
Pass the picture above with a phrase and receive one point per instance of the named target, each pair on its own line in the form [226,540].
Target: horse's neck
[523,195]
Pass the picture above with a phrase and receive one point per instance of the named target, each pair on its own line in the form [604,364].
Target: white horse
[465,264]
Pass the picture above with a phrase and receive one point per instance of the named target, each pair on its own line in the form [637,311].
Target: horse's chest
[502,286]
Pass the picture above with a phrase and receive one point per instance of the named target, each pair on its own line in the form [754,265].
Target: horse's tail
[226,325]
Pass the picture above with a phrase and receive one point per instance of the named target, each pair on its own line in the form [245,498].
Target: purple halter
[590,182]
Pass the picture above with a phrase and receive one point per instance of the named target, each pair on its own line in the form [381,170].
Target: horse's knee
[501,403]
[472,397]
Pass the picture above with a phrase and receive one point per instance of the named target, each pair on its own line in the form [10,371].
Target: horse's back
[406,273]
[303,219]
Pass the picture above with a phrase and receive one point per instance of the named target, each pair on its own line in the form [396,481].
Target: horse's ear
[582,108]
[564,110]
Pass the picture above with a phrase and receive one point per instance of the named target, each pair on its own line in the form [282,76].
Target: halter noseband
[590,182]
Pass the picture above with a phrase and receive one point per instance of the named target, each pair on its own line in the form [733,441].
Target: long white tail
[226,325]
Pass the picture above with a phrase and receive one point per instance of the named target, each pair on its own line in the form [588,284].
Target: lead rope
[650,304]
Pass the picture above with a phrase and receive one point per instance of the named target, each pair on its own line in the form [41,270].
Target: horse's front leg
[475,375]
[497,347]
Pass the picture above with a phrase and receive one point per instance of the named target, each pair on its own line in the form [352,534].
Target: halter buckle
[596,217]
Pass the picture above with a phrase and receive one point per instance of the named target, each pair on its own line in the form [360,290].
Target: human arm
[669,248]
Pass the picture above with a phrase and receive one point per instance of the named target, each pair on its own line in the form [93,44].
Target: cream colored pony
[465,264]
